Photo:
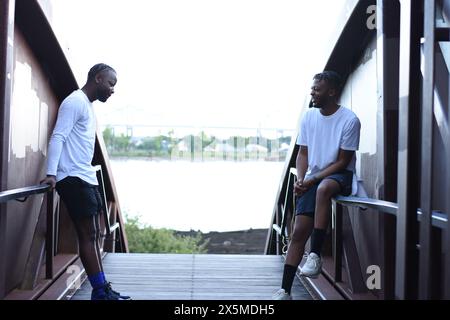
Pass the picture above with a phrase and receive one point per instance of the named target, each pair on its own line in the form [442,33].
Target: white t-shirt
[325,135]
[72,143]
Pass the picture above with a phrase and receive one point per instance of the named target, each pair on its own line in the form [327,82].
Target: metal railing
[411,168]
[439,220]
[106,214]
[46,227]
[21,195]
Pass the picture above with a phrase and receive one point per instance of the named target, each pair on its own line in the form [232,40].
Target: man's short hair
[333,79]
[99,67]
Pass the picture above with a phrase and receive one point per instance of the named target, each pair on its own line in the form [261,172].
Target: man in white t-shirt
[328,138]
[69,169]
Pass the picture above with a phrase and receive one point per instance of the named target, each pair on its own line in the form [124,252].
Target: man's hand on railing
[50,180]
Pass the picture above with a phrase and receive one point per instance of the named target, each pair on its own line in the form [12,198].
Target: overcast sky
[229,63]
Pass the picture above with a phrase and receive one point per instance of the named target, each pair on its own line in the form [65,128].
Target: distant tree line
[196,147]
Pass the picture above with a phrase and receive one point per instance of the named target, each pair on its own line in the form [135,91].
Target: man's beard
[102,96]
[317,105]
[321,103]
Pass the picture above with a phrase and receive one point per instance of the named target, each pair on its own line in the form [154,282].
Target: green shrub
[145,239]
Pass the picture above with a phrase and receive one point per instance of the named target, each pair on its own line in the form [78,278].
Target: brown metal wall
[35,77]
[360,95]
[404,108]
[30,96]
[379,136]
[440,164]
[442,102]
[6,43]
[33,108]
[439,157]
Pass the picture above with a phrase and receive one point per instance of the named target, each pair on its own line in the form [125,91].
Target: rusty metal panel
[360,95]
[33,108]
[36,29]
[357,30]
[6,64]
[34,78]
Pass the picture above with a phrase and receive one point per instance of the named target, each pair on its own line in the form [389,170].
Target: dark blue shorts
[82,199]
[306,203]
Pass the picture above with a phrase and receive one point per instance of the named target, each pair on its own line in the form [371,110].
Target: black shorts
[306,203]
[82,199]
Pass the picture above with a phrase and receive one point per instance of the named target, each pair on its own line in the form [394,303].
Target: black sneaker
[115,293]
[103,293]
[107,293]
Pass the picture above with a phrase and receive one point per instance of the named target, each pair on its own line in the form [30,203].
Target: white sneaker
[312,267]
[281,295]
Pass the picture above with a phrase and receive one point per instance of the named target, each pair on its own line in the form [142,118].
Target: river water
[205,196]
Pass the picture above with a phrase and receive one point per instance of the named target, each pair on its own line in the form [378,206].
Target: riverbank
[251,241]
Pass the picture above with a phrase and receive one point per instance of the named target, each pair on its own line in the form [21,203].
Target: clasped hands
[301,186]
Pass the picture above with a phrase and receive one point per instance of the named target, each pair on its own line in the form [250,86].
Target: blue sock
[97,280]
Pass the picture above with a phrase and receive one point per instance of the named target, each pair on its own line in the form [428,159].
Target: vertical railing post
[337,240]
[101,186]
[446,242]
[409,150]
[3,248]
[427,150]
[388,37]
[446,234]
[279,236]
[49,245]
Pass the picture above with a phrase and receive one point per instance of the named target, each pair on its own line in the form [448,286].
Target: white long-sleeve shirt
[72,143]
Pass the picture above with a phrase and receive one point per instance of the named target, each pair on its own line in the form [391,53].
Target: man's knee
[326,190]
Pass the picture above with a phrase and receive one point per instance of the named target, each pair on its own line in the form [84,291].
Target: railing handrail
[15,194]
[22,194]
[381,205]
[438,219]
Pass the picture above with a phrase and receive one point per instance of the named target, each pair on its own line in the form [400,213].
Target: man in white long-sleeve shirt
[69,169]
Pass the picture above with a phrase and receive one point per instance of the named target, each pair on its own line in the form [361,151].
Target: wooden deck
[194,277]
